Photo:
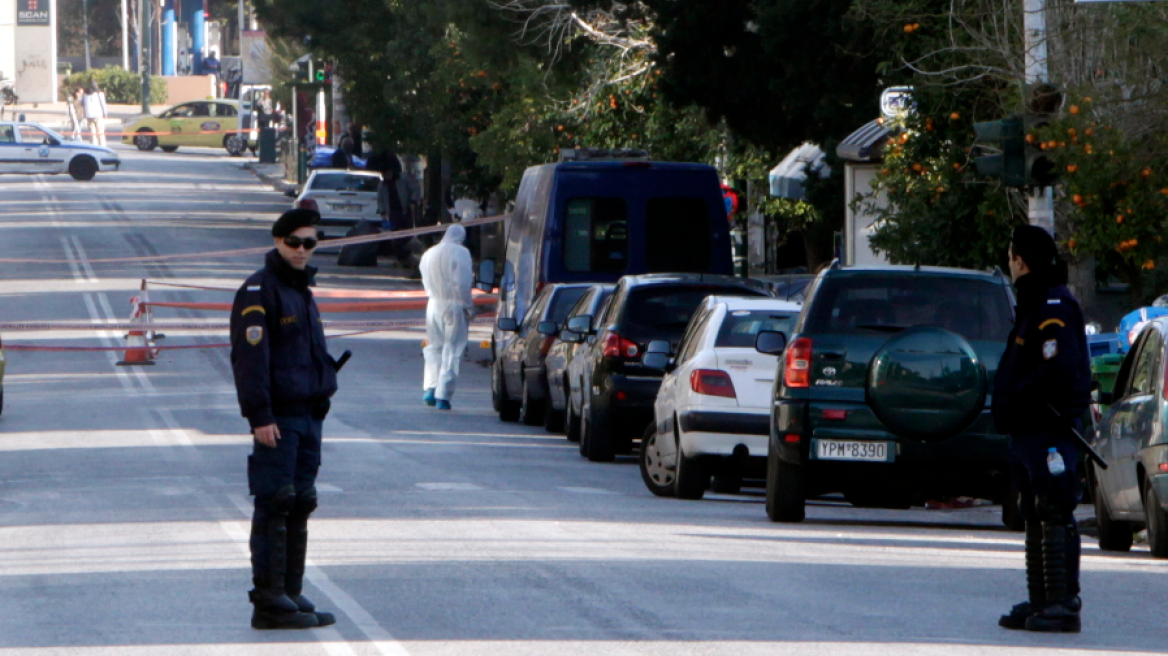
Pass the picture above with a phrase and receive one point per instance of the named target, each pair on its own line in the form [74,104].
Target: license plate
[851,450]
[341,207]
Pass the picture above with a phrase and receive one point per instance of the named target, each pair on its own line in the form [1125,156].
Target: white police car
[30,148]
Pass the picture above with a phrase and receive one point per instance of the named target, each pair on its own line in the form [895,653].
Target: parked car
[519,385]
[31,148]
[202,123]
[712,413]
[1132,437]
[560,356]
[613,396]
[884,388]
[341,197]
[598,215]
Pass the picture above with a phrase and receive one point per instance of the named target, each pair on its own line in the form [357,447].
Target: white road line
[84,260]
[77,276]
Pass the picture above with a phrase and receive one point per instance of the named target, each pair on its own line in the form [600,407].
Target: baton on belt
[1083,443]
[348,354]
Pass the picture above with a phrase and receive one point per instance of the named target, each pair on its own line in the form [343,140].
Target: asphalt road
[124,508]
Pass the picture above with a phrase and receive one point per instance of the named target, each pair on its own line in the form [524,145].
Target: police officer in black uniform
[284,377]
[1042,389]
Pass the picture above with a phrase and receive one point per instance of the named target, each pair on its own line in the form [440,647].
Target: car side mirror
[571,337]
[770,342]
[581,324]
[658,361]
[507,324]
[548,328]
[659,346]
[485,280]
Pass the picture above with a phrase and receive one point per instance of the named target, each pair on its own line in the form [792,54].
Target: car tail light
[712,382]
[835,415]
[308,204]
[619,348]
[792,438]
[1164,466]
[798,369]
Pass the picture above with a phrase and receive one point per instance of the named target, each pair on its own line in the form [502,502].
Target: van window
[677,235]
[596,235]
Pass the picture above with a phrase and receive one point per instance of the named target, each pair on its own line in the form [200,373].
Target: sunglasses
[294,243]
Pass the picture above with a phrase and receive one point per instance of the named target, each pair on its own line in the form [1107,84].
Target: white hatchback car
[342,197]
[712,414]
[30,148]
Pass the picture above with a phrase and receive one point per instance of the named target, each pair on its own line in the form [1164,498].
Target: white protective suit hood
[447,270]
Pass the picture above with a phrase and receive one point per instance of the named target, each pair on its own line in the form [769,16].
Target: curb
[275,179]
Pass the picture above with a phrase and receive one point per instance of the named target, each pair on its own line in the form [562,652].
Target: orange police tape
[215,255]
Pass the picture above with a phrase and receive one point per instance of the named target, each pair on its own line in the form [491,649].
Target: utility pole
[85,27]
[125,36]
[1041,200]
[144,59]
[242,57]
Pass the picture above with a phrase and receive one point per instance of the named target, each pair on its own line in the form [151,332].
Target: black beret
[293,220]
[1035,246]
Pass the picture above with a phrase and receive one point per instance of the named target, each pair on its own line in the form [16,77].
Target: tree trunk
[1081,280]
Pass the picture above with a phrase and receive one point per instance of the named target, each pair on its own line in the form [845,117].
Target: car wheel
[234,144]
[571,423]
[726,484]
[1,400]
[145,140]
[655,471]
[508,410]
[785,501]
[530,410]
[169,149]
[693,476]
[83,168]
[596,438]
[1113,535]
[1012,517]
[1157,522]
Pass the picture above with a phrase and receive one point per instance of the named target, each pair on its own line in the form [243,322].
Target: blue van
[594,220]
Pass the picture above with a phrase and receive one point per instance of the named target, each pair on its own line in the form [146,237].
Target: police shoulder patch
[1049,349]
[255,334]
[1052,322]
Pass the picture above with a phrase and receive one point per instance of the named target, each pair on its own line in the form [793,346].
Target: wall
[8,38]
[857,225]
[35,60]
[184,88]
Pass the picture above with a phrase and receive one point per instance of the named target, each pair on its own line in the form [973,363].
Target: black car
[557,364]
[615,391]
[884,387]
[519,383]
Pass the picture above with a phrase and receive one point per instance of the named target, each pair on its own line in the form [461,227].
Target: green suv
[883,390]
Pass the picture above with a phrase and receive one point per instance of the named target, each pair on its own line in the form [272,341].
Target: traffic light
[301,69]
[1040,168]
[1009,137]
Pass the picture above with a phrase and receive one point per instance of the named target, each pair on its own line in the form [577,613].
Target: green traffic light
[320,76]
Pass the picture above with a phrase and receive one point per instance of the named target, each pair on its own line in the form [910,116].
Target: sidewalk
[55,116]
[272,174]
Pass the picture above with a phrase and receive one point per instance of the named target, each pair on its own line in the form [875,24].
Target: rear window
[345,182]
[667,310]
[677,235]
[974,309]
[596,235]
[740,327]
[562,303]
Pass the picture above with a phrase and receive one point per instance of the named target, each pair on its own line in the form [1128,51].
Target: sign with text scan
[33,12]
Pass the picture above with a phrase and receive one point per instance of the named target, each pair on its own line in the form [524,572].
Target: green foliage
[121,86]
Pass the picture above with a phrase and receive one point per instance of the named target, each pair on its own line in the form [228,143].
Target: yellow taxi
[202,123]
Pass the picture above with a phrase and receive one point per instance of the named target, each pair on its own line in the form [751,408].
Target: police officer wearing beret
[1042,389]
[284,377]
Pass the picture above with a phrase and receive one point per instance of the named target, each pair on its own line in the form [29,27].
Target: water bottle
[1054,462]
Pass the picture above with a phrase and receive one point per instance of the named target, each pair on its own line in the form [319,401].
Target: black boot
[294,579]
[274,609]
[1061,614]
[1035,586]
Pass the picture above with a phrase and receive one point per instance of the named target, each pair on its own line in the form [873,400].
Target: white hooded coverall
[447,275]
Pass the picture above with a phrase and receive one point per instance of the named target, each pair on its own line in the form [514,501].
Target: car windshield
[661,312]
[37,133]
[345,182]
[740,327]
[975,309]
[562,303]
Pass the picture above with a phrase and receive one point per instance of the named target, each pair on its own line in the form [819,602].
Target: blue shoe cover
[443,404]
[428,397]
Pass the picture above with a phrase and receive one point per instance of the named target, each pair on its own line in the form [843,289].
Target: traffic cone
[137,351]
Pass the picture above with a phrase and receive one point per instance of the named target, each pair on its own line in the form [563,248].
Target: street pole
[85,24]
[144,58]
[1041,201]
[242,27]
[125,36]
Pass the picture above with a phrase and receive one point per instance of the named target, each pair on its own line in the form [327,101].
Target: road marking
[449,487]
[587,490]
[83,259]
[72,260]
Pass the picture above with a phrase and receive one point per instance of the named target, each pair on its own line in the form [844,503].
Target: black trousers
[283,481]
[1045,497]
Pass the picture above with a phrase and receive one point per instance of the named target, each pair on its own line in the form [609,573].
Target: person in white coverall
[447,275]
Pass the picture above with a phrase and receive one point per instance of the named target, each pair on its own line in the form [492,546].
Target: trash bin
[1104,369]
[268,146]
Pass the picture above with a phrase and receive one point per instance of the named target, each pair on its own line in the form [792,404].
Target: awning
[864,145]
[788,177]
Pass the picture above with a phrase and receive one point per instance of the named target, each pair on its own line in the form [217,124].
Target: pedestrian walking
[94,108]
[1041,390]
[284,378]
[212,67]
[447,276]
[76,122]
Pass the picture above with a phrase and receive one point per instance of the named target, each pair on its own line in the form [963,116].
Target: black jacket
[278,352]
[1046,361]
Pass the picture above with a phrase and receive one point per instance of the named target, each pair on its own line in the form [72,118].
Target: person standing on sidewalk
[96,112]
[1041,390]
[76,121]
[284,378]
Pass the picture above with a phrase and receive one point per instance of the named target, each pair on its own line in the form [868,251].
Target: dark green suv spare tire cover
[926,384]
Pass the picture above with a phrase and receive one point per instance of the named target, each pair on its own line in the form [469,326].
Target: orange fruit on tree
[955,116]
[1077,199]
[1030,138]
[1074,109]
[1149,264]
[917,167]
[1147,172]
[1119,219]
[1071,168]
[1072,132]
[908,28]
[1089,132]
[1072,244]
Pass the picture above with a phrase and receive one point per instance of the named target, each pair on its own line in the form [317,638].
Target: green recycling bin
[1104,369]
[267,146]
